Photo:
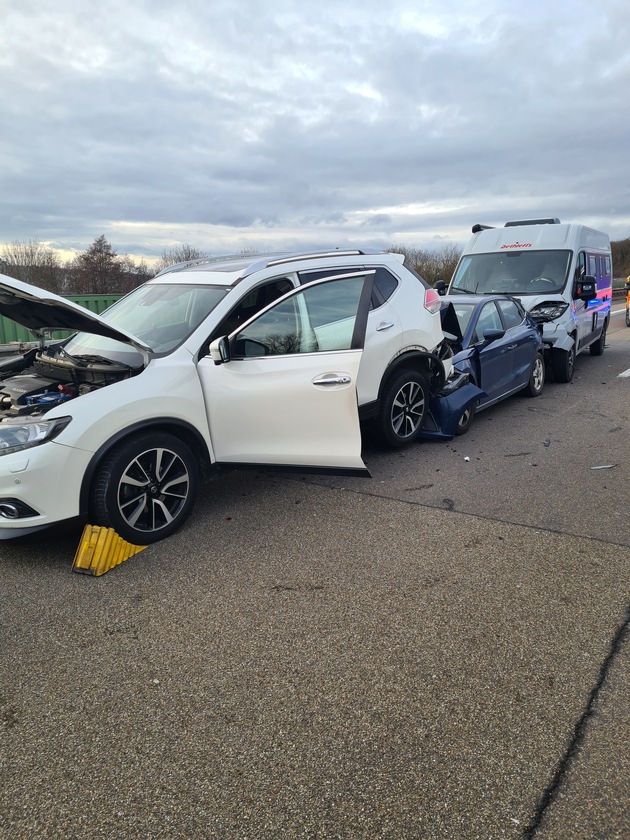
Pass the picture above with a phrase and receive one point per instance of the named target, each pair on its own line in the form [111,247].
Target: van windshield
[512,273]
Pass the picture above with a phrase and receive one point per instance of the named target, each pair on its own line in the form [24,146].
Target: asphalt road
[440,651]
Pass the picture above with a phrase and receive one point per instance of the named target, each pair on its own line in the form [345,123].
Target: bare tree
[133,273]
[432,265]
[179,254]
[33,263]
[621,257]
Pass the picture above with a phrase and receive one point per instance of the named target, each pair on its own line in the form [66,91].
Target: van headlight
[15,436]
[548,311]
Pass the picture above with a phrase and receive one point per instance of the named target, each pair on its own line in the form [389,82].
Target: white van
[561,273]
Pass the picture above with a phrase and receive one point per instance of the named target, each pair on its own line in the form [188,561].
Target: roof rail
[533,222]
[356,252]
[202,261]
[477,228]
[282,259]
[259,261]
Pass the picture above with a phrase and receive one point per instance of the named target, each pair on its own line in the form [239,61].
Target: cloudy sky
[233,124]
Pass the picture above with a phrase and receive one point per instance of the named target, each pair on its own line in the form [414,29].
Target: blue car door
[495,356]
[521,339]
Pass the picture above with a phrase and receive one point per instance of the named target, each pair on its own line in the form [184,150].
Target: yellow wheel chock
[100,549]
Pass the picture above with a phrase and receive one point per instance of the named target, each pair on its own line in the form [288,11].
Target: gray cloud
[229,125]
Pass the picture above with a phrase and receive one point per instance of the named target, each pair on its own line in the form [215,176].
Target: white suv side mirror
[220,350]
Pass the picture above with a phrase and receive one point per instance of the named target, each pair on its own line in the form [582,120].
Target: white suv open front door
[285,393]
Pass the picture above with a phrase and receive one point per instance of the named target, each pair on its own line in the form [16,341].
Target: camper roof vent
[533,222]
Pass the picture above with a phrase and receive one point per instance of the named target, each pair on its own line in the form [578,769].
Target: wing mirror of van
[586,289]
[220,350]
[440,287]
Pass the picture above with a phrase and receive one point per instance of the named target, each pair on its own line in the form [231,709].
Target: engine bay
[41,379]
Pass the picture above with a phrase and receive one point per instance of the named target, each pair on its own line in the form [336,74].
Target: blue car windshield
[463,313]
[161,315]
[512,273]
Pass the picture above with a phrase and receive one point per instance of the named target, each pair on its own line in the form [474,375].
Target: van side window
[592,265]
[580,266]
[603,278]
[608,266]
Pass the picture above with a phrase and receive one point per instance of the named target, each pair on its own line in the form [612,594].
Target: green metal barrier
[12,332]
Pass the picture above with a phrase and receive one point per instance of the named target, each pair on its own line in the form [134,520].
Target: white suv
[265,361]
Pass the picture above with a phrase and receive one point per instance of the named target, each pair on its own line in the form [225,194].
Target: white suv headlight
[15,436]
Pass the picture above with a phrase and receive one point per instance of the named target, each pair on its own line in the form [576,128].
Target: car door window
[321,318]
[489,319]
[255,300]
[511,313]
[385,284]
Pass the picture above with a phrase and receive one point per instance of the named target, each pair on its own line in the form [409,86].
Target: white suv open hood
[42,311]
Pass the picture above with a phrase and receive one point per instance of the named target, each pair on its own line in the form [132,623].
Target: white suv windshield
[512,272]
[161,315]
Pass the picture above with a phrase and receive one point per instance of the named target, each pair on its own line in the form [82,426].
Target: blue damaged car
[497,346]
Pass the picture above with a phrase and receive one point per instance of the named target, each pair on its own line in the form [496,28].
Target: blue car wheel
[465,421]
[537,377]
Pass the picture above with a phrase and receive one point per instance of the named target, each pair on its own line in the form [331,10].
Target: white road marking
[625,374]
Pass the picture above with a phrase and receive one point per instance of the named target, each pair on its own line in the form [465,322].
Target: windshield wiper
[462,290]
[78,362]
[103,360]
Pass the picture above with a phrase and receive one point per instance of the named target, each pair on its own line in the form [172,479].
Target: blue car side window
[489,319]
[512,316]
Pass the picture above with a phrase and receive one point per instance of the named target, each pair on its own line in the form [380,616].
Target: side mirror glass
[220,350]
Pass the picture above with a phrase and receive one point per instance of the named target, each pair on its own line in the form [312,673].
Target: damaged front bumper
[446,408]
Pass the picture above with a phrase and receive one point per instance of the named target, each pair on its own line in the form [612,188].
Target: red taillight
[432,301]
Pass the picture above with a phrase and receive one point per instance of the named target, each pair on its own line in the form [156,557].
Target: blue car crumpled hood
[445,409]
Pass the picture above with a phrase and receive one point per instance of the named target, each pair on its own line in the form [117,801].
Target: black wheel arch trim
[437,378]
[164,424]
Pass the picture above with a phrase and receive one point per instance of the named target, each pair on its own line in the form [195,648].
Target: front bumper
[446,408]
[555,336]
[43,484]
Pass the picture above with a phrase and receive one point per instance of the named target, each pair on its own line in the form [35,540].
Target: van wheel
[536,378]
[563,364]
[402,409]
[465,421]
[597,347]
[145,488]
